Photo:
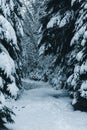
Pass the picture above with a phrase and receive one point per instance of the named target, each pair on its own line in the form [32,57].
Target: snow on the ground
[44,108]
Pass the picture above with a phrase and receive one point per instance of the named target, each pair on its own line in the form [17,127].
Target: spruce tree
[77,82]
[10,38]
[64,38]
[57,26]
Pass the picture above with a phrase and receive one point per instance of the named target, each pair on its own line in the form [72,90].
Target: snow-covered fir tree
[10,65]
[57,26]
[77,82]
[63,41]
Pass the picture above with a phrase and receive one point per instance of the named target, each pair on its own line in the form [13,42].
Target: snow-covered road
[44,108]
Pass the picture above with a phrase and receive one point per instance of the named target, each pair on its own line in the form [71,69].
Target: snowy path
[46,109]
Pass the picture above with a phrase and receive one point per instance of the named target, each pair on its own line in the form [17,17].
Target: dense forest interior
[43,46]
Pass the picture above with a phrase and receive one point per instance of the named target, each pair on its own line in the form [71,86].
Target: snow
[44,108]
[72,2]
[83,67]
[85,35]
[84,85]
[2,99]
[66,18]
[78,35]
[3,48]
[83,42]
[7,32]
[11,5]
[77,68]
[54,21]
[7,7]
[7,64]
[8,67]
[41,50]
[19,26]
[70,78]
[73,82]
[1,83]
[85,7]
[13,90]
[79,56]
[74,101]
[57,20]
[83,89]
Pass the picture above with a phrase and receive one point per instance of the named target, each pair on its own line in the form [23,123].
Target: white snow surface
[44,108]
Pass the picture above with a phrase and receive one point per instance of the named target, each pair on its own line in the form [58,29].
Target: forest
[43,64]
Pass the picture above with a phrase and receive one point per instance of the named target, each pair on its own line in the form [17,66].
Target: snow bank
[46,109]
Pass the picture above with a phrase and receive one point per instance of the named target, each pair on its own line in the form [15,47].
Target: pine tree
[10,38]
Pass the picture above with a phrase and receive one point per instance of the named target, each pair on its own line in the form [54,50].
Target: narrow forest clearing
[44,108]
